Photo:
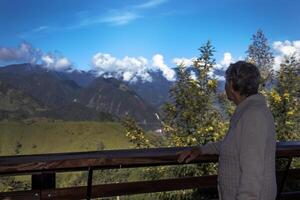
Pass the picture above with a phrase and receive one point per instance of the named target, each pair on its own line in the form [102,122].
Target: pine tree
[174,119]
[259,52]
[191,118]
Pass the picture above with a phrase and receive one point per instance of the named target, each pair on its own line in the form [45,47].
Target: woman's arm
[211,148]
[189,155]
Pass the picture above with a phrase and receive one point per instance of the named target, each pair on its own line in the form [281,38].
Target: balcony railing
[43,167]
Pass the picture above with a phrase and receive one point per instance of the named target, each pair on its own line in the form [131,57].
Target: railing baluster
[41,182]
[89,184]
[287,168]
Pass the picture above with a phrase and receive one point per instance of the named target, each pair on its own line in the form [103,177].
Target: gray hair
[245,77]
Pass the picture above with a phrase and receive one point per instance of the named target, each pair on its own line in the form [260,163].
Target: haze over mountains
[29,90]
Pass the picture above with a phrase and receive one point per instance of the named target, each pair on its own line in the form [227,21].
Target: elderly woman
[247,152]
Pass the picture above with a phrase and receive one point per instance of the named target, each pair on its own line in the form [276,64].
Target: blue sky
[77,30]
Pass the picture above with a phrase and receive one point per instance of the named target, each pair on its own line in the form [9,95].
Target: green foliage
[283,94]
[190,118]
[135,133]
[8,184]
[284,100]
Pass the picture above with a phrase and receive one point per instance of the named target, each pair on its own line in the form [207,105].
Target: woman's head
[242,78]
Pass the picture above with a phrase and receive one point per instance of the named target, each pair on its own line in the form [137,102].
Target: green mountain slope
[14,104]
[59,136]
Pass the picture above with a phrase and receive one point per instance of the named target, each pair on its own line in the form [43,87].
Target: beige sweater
[247,153]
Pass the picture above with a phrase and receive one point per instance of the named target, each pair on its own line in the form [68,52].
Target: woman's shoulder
[256,111]
[256,117]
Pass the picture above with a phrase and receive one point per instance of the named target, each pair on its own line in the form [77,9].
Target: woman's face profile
[228,90]
[232,94]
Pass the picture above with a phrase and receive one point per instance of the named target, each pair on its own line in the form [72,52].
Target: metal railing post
[43,181]
[89,184]
[287,168]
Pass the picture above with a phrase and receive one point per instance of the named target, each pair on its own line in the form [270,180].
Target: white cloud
[185,61]
[116,17]
[158,62]
[120,18]
[193,75]
[48,60]
[150,4]
[285,48]
[63,63]
[221,66]
[128,68]
[23,53]
[113,18]
[219,77]
[54,62]
[39,31]
[40,28]
[227,59]
[225,62]
[127,76]
[212,74]
[215,72]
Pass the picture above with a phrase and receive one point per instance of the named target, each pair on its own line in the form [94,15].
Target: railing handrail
[43,184]
[110,159]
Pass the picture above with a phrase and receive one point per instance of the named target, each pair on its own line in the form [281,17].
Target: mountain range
[29,90]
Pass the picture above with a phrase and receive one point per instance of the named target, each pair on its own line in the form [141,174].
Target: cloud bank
[216,72]
[26,53]
[158,62]
[130,68]
[55,62]
[283,49]
[23,53]
[187,62]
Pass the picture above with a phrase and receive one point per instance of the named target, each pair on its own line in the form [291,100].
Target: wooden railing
[43,168]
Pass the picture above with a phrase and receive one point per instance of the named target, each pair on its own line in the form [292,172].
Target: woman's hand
[189,155]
